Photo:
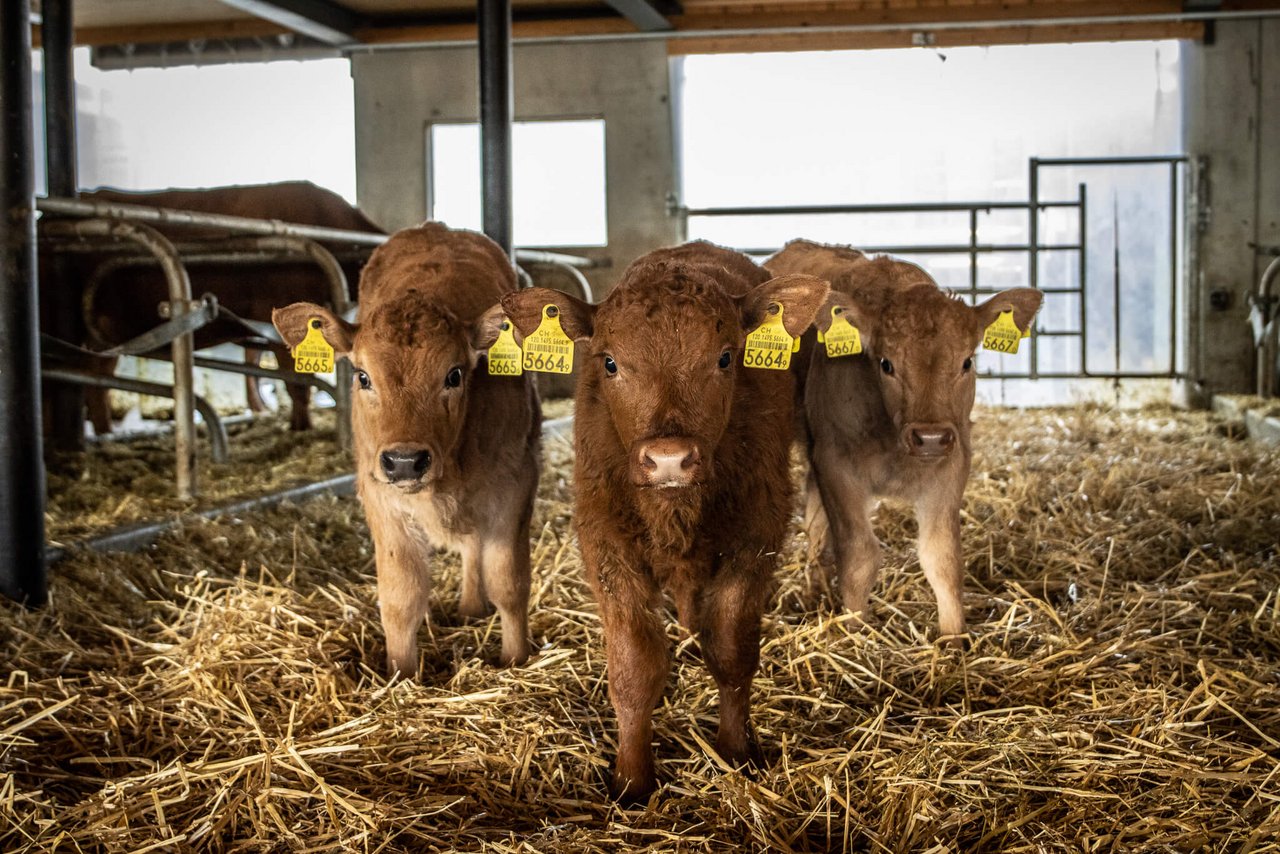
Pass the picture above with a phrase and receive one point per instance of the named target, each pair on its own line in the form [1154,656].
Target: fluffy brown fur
[430,308]
[710,542]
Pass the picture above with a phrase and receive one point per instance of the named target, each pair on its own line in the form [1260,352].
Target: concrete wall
[399,93]
[1232,119]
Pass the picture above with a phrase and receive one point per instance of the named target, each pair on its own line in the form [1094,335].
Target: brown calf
[681,474]
[893,421]
[446,455]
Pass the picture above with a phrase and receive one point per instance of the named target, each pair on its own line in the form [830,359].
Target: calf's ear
[800,297]
[293,321]
[577,318]
[851,311]
[1025,302]
[486,328]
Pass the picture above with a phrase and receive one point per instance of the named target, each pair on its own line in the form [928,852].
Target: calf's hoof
[474,609]
[515,654]
[632,791]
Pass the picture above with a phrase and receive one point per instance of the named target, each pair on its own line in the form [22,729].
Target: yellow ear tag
[548,349]
[842,338]
[1003,335]
[313,355]
[769,345]
[505,354]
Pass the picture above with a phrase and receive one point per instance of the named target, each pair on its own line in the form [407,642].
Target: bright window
[558,180]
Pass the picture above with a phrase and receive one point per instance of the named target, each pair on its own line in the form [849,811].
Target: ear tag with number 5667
[505,355]
[548,349]
[1003,335]
[769,345]
[841,338]
[313,355]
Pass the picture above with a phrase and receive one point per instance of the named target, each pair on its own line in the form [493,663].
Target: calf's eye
[453,379]
[725,358]
[363,379]
[610,366]
[968,364]
[886,366]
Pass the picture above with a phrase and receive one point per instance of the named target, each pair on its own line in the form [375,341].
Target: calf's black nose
[401,464]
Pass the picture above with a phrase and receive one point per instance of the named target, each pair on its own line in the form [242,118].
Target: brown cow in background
[681,476]
[894,420]
[446,455]
[123,305]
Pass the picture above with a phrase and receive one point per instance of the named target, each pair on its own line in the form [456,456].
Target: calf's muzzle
[670,461]
[404,463]
[929,441]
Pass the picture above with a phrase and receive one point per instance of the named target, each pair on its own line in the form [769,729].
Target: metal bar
[197,219]
[643,13]
[217,432]
[1111,161]
[1115,278]
[1033,242]
[319,19]
[1173,266]
[947,249]
[66,402]
[1268,345]
[180,298]
[495,118]
[249,370]
[973,256]
[540,256]
[906,207]
[22,496]
[1083,275]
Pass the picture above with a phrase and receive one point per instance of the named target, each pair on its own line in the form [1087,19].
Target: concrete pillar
[399,93]
[1231,87]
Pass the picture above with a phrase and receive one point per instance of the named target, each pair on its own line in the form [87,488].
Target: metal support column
[66,402]
[495,118]
[22,573]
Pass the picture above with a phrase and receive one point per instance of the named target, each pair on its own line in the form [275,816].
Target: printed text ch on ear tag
[548,349]
[313,355]
[1003,335]
[505,354]
[769,345]
[841,338]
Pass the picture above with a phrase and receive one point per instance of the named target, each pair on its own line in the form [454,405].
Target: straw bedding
[222,692]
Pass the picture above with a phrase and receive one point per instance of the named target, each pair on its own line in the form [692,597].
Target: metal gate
[1083,329]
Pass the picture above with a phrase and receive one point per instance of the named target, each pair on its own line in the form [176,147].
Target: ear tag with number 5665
[1003,335]
[505,354]
[548,349]
[313,355]
[769,345]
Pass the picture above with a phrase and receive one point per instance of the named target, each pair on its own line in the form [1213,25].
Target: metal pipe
[249,370]
[495,118]
[1112,161]
[22,495]
[574,273]
[904,207]
[1173,266]
[1084,277]
[183,350]
[541,256]
[1268,346]
[942,249]
[1033,241]
[217,432]
[66,402]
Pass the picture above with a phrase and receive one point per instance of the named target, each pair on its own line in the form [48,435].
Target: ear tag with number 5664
[769,345]
[313,355]
[1003,335]
[505,355]
[548,349]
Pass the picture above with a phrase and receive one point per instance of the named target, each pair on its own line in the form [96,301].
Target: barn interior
[189,635]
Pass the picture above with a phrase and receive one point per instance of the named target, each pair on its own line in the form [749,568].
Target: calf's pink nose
[929,441]
[669,462]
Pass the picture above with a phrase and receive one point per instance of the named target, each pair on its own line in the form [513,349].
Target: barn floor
[221,692]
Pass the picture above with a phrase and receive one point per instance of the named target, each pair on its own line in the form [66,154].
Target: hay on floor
[222,691]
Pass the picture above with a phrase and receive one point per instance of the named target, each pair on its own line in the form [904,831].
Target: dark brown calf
[893,421]
[446,455]
[123,303]
[681,473]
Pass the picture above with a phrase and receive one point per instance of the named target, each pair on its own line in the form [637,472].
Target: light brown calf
[446,455]
[681,476]
[894,420]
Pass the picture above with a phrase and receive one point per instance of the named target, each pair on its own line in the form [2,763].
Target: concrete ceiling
[689,26]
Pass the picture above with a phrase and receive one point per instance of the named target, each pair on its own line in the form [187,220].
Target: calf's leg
[404,590]
[505,564]
[471,601]
[253,396]
[848,510]
[940,557]
[729,634]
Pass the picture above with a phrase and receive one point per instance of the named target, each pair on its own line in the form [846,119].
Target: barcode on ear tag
[313,355]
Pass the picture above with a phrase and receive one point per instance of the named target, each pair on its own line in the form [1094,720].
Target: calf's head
[922,343]
[663,356]
[413,362]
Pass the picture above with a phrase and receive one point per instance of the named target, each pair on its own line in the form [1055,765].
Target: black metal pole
[22,573]
[495,118]
[62,303]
